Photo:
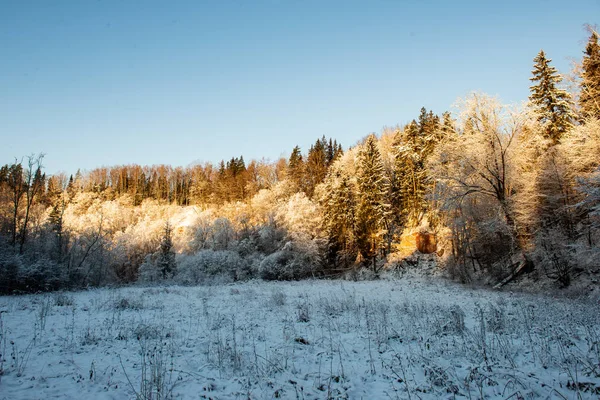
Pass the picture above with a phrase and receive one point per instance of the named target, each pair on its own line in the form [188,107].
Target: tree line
[497,185]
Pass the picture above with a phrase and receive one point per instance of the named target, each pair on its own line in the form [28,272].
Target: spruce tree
[166,256]
[589,98]
[316,166]
[55,218]
[71,187]
[552,104]
[373,208]
[339,206]
[409,168]
[334,150]
[295,169]
[447,126]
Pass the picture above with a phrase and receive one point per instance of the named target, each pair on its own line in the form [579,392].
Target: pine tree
[373,207]
[552,104]
[589,98]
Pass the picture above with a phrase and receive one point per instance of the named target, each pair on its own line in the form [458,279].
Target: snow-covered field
[386,339]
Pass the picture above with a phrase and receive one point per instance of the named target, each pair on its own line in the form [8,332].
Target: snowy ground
[404,339]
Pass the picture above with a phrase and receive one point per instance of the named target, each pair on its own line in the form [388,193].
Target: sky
[100,83]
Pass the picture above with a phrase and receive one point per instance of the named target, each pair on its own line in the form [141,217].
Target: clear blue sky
[94,83]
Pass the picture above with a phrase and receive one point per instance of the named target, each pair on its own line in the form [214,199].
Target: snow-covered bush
[42,274]
[222,234]
[286,264]
[209,264]
[149,270]
[269,239]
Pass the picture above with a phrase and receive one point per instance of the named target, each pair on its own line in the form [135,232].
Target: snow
[397,339]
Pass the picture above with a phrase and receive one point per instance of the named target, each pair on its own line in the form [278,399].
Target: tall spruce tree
[373,206]
[339,206]
[552,104]
[295,168]
[56,221]
[316,165]
[589,97]
[409,168]
[334,150]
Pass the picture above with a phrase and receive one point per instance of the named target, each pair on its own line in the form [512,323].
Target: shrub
[286,265]
[208,264]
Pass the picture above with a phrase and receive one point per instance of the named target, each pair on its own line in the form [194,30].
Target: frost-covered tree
[551,104]
[580,151]
[589,208]
[161,264]
[410,179]
[474,170]
[485,153]
[373,207]
[55,219]
[410,174]
[338,200]
[589,96]
[448,125]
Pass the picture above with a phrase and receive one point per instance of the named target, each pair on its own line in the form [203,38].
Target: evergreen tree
[428,125]
[339,208]
[295,168]
[221,192]
[409,169]
[165,261]
[589,98]
[71,187]
[395,180]
[334,150]
[447,126]
[234,179]
[316,166]
[552,104]
[53,189]
[410,181]
[373,208]
[55,219]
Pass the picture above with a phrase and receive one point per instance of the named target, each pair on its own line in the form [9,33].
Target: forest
[492,186]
